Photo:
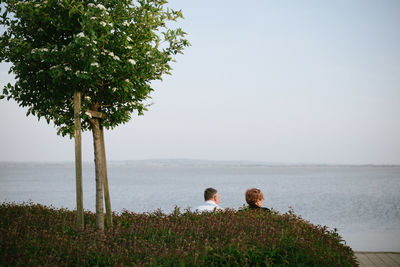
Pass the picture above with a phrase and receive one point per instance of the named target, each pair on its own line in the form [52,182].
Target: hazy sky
[275,81]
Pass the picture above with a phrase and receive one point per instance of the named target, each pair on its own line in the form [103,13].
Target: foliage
[37,235]
[110,50]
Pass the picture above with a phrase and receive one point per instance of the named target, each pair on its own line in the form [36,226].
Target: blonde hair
[253,195]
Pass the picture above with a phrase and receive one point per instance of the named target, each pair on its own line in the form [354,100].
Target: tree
[107,51]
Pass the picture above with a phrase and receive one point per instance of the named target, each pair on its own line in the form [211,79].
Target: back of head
[253,195]
[209,193]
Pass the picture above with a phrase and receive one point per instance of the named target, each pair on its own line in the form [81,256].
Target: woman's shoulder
[262,208]
[255,207]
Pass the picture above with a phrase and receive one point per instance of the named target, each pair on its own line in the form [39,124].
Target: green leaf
[33,53]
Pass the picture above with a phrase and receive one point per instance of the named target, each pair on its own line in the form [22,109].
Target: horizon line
[250,162]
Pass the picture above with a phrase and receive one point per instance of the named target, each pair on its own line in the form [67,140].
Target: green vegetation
[109,50]
[87,65]
[36,235]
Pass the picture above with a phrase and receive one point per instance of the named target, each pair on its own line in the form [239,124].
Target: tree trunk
[105,183]
[78,161]
[99,161]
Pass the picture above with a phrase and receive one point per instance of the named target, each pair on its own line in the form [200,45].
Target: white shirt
[209,205]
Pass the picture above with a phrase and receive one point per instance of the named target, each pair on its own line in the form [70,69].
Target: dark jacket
[255,207]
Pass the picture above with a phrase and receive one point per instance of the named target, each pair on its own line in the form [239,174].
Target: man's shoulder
[208,206]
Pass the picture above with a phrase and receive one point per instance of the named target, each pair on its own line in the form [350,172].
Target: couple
[254,197]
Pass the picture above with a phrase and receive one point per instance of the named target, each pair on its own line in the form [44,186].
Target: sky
[272,81]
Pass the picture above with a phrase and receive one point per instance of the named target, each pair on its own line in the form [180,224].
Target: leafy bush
[37,235]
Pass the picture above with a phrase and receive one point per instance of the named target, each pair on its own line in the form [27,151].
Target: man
[211,198]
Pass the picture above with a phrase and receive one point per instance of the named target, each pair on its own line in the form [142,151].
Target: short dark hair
[253,195]
[209,193]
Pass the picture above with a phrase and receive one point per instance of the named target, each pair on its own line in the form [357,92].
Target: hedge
[32,234]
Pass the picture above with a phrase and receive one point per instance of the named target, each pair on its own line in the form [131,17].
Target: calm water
[362,202]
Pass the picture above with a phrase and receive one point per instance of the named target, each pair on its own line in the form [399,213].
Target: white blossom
[110,24]
[80,35]
[37,5]
[127,81]
[89,115]
[53,67]
[67,68]
[93,18]
[90,5]
[102,23]
[100,6]
[88,98]
[40,71]
[125,23]
[95,64]
[80,72]
[114,89]
[128,47]
[129,39]
[111,54]
[132,61]
[44,50]
[116,57]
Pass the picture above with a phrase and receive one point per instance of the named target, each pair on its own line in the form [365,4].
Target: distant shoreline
[199,163]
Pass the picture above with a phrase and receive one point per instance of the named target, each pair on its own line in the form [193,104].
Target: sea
[361,202]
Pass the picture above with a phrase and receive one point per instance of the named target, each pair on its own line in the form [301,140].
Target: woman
[255,198]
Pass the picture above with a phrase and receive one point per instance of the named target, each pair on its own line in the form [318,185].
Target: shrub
[31,234]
